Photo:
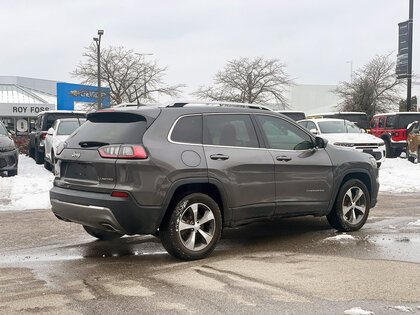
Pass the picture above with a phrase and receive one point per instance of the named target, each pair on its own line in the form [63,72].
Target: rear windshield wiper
[88,144]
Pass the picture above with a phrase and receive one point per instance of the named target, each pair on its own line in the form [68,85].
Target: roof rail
[215,103]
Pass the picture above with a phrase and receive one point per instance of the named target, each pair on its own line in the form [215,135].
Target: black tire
[39,158]
[174,238]
[102,234]
[409,158]
[47,165]
[338,218]
[389,150]
[12,172]
[53,161]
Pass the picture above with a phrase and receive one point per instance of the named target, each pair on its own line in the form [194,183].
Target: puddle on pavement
[126,247]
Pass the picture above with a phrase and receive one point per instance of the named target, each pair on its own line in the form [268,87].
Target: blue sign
[68,93]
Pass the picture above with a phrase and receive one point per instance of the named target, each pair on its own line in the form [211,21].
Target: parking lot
[298,266]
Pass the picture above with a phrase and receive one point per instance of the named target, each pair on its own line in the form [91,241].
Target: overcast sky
[45,39]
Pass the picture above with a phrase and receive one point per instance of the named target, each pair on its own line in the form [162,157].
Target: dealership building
[22,99]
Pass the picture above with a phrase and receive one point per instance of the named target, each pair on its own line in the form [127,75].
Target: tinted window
[67,127]
[294,116]
[404,120]
[281,134]
[50,118]
[381,122]
[104,132]
[230,130]
[358,119]
[188,130]
[374,123]
[389,123]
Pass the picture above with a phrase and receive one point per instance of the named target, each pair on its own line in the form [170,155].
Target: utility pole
[410,53]
[98,49]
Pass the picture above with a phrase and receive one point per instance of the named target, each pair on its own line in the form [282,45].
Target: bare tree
[126,74]
[375,88]
[249,81]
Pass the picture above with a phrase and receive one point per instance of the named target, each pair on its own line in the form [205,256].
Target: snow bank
[358,311]
[416,223]
[29,189]
[399,176]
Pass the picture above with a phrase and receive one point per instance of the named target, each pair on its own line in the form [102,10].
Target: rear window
[404,120]
[100,132]
[68,127]
[49,119]
[360,120]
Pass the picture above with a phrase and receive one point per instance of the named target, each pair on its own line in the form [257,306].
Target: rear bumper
[102,211]
[398,144]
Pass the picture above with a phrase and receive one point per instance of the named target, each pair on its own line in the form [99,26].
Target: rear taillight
[123,152]
[120,194]
[43,135]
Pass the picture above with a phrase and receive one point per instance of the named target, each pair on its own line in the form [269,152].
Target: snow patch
[399,176]
[340,238]
[358,311]
[416,223]
[29,189]
[401,308]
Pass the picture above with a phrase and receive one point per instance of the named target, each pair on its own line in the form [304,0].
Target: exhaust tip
[109,227]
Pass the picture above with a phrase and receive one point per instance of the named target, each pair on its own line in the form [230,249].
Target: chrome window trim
[172,129]
[227,146]
[300,127]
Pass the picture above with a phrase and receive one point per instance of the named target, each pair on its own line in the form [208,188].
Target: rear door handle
[221,157]
[283,158]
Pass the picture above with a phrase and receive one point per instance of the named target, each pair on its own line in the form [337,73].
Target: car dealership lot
[297,265]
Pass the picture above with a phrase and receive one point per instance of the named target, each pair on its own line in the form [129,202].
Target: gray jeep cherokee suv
[185,173]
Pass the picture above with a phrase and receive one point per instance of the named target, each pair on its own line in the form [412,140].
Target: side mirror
[314,131]
[320,143]
[50,132]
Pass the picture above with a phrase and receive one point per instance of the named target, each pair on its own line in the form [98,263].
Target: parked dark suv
[44,121]
[185,173]
[9,153]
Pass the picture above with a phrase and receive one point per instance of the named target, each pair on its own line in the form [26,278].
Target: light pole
[98,49]
[144,72]
[351,70]
[410,53]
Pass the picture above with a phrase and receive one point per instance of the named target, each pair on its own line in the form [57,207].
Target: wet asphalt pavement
[289,266]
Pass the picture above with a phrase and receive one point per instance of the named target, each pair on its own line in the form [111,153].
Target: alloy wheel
[196,226]
[354,205]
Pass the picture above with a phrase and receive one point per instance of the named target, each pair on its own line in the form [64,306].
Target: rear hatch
[88,159]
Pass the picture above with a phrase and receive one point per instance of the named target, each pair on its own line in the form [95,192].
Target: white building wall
[312,99]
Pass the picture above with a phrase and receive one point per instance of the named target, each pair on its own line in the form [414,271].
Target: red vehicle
[392,128]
